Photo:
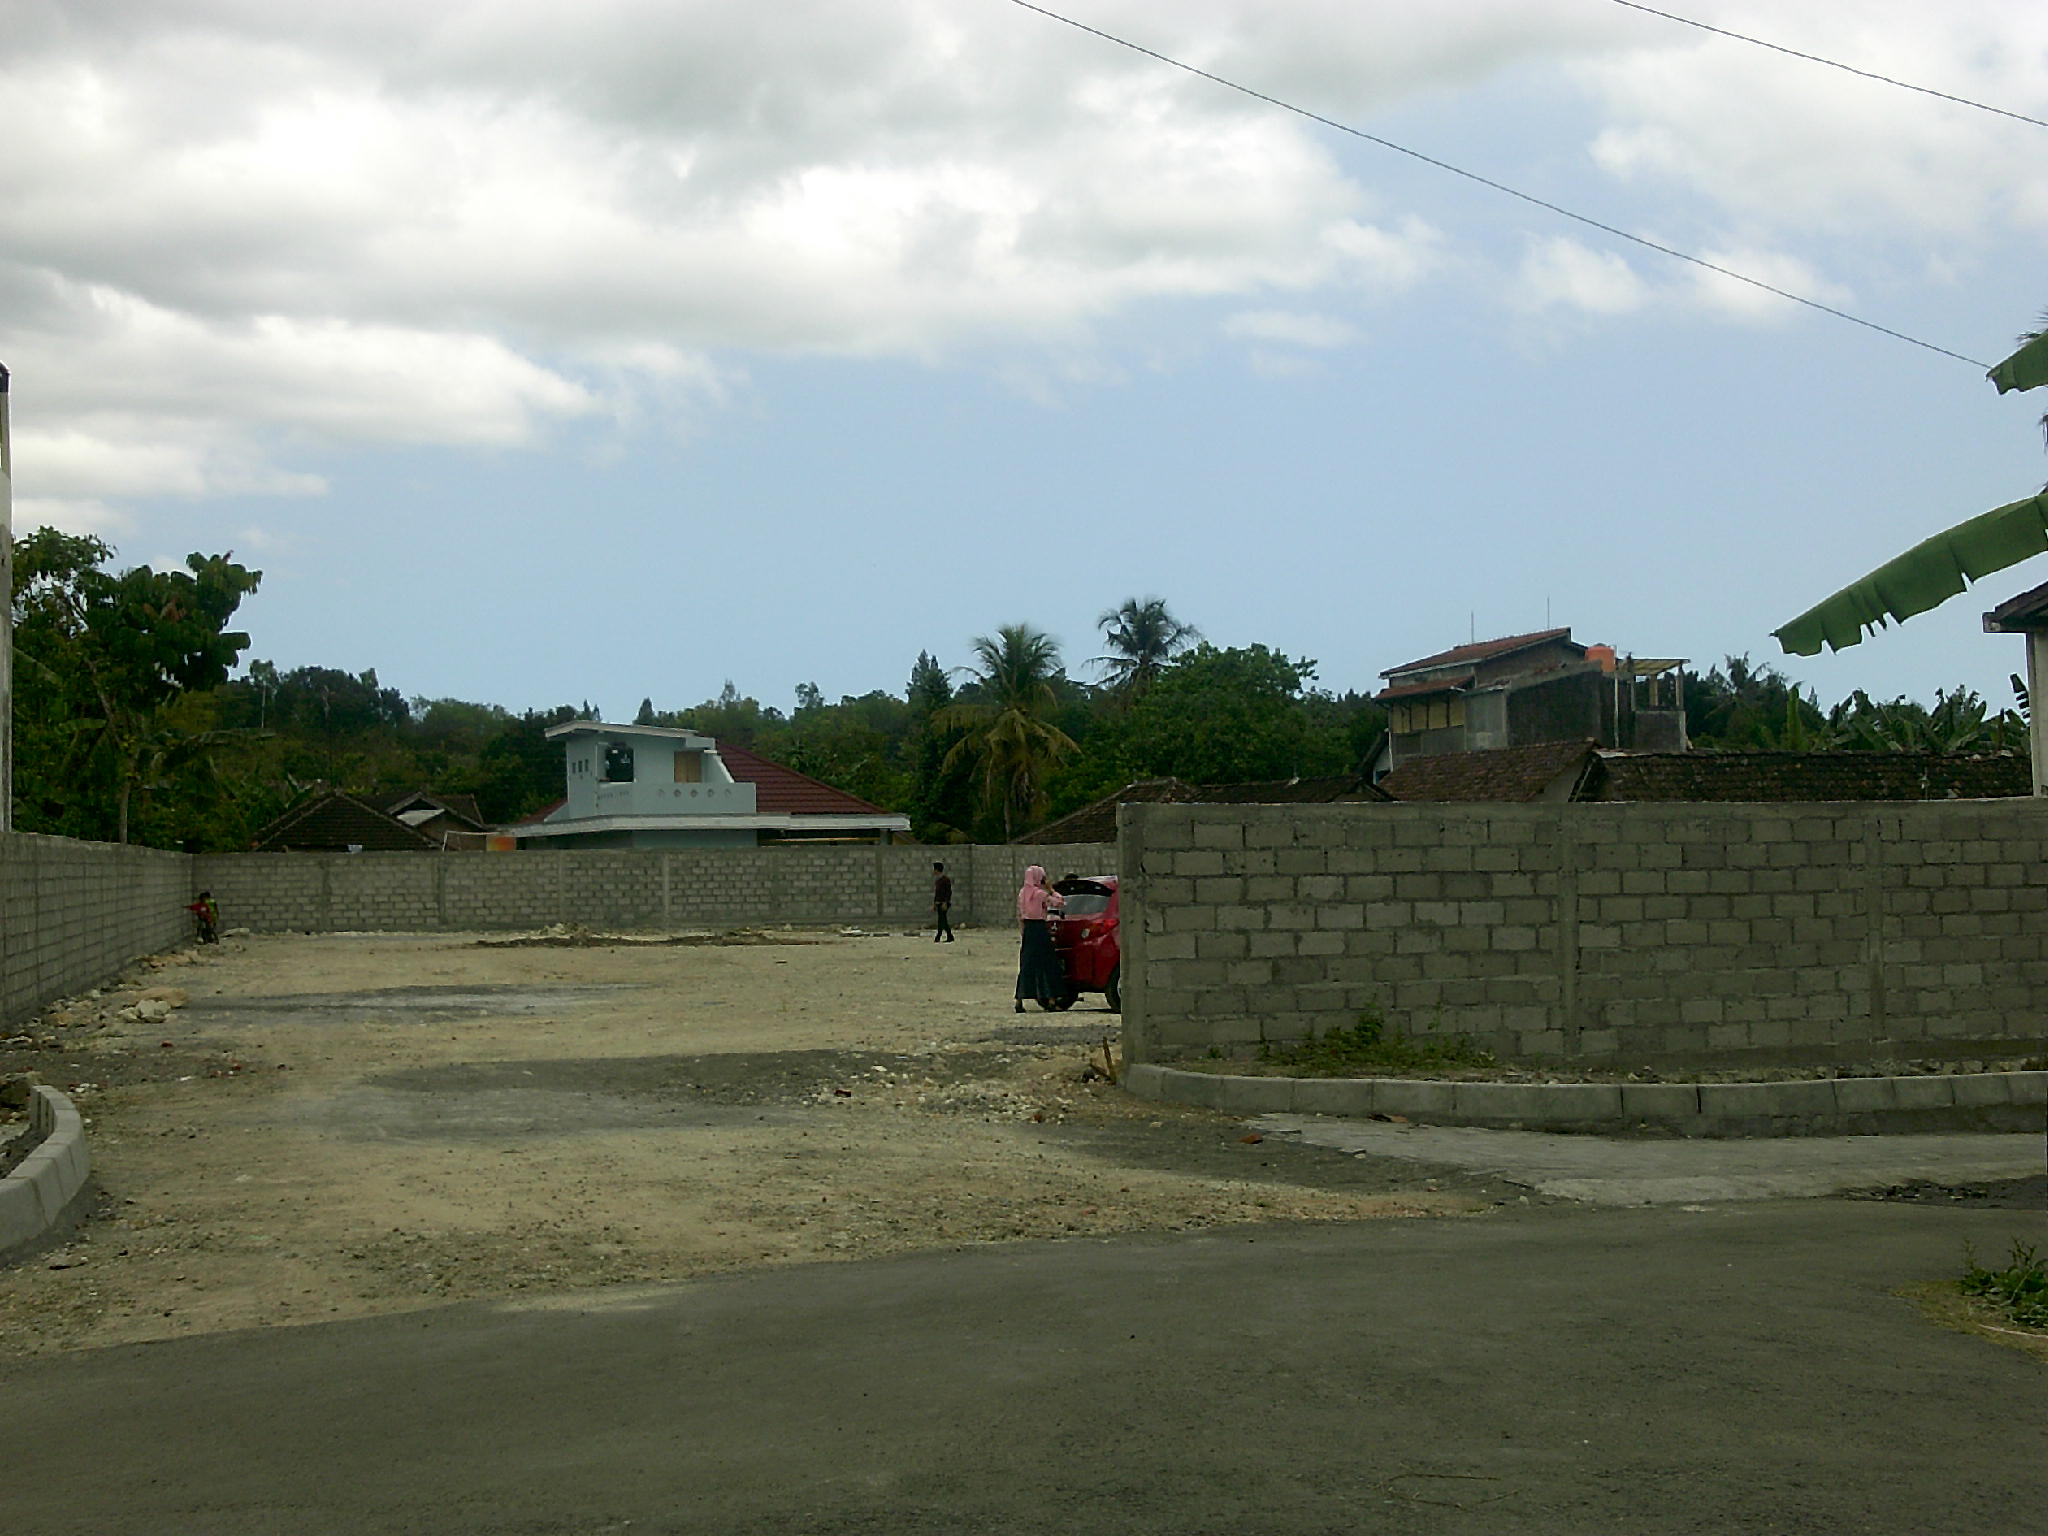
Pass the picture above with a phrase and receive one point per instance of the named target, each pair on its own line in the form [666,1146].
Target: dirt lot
[353,1124]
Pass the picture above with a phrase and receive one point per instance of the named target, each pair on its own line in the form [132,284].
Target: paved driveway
[1619,1170]
[1743,1368]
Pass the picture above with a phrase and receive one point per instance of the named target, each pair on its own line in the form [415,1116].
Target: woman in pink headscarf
[1038,966]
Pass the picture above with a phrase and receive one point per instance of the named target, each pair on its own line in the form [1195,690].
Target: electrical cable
[1814,58]
[1498,186]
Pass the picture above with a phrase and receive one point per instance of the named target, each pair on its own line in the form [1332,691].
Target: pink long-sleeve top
[1037,899]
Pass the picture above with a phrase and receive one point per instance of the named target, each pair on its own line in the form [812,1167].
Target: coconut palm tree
[1008,726]
[1143,637]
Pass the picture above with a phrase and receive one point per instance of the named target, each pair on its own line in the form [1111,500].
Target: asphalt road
[1738,1368]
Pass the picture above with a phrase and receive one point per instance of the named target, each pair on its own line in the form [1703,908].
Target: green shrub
[1364,1050]
[2020,1290]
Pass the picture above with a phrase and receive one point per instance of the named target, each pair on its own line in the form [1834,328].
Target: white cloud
[1746,301]
[1784,144]
[240,231]
[1290,329]
[1562,273]
[68,515]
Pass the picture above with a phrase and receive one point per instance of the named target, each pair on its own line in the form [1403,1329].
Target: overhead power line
[1849,69]
[1502,187]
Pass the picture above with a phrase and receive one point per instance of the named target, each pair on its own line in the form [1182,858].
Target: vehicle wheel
[1112,993]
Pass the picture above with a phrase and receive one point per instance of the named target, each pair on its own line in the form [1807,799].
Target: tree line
[129,726]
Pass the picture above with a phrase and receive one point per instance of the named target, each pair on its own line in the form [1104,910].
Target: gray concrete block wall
[622,890]
[1603,933]
[72,914]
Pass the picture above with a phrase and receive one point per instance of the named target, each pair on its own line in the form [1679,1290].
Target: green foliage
[126,723]
[1750,708]
[102,660]
[1142,637]
[2019,1290]
[1006,726]
[1960,721]
[741,721]
[1226,716]
[1365,1050]
[1741,706]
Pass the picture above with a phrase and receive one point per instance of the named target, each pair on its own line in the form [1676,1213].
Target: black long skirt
[1038,964]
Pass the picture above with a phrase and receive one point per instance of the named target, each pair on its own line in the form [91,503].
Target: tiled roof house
[1522,690]
[1546,771]
[330,821]
[448,821]
[643,786]
[1806,776]
[1097,823]
[1558,771]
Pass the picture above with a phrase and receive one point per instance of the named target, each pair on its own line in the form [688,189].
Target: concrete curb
[37,1194]
[1844,1106]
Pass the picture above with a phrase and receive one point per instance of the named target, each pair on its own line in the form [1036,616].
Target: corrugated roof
[1482,650]
[1808,776]
[2018,614]
[1509,775]
[778,789]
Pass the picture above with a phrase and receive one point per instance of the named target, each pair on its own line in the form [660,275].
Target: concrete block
[1573,1103]
[1865,1095]
[1658,1101]
[2029,1087]
[1416,1099]
[1762,1101]
[21,1213]
[1352,1096]
[1255,1095]
[1500,1103]
[1202,1089]
[1982,1090]
[44,1173]
[1147,1080]
[1924,1092]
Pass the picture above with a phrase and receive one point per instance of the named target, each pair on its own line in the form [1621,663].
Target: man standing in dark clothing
[942,900]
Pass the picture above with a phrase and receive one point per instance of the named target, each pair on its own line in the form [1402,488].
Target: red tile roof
[1808,776]
[1481,651]
[779,790]
[1510,775]
[1097,823]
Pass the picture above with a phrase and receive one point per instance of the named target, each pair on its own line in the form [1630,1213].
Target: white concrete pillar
[2037,706]
[6,613]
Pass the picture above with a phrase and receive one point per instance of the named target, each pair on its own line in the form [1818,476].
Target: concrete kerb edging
[1806,1107]
[40,1190]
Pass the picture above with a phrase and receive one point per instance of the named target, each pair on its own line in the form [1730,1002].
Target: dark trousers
[945,925]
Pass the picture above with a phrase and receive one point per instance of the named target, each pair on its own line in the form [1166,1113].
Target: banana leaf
[1930,573]
[2025,369]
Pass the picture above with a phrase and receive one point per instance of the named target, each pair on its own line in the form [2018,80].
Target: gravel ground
[291,1129]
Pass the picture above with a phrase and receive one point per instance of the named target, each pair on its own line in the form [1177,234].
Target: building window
[618,763]
[689,768]
[1428,715]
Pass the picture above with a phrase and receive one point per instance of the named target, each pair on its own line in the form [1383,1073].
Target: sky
[542,354]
